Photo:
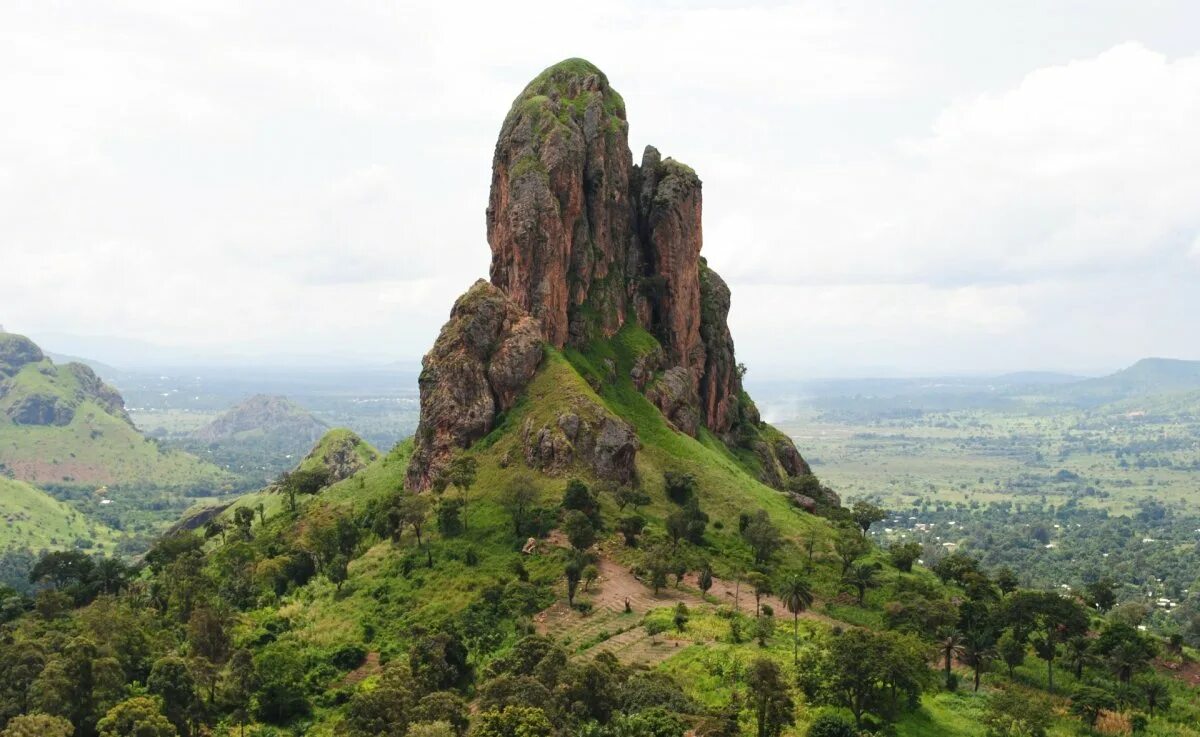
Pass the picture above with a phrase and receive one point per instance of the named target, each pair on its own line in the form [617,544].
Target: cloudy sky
[926,187]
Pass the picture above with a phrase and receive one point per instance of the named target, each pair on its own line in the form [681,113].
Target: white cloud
[275,175]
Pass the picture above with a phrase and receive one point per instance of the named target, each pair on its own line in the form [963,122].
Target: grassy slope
[31,518]
[381,604]
[95,449]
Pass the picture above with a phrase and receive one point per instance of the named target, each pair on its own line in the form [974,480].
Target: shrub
[831,725]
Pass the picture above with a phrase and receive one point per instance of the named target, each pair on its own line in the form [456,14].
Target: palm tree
[1079,655]
[861,577]
[1157,694]
[1125,660]
[949,648]
[797,597]
[978,651]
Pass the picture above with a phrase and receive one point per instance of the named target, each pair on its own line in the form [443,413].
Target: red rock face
[485,355]
[559,214]
[583,241]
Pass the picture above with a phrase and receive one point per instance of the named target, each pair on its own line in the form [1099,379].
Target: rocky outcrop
[583,243]
[559,217]
[604,444]
[484,356]
[721,381]
[40,409]
[91,387]
[342,453]
[15,352]
[34,391]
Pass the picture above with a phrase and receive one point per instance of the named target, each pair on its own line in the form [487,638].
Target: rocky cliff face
[584,242]
[484,356]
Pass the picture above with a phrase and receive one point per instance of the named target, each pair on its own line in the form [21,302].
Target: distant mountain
[264,416]
[1147,377]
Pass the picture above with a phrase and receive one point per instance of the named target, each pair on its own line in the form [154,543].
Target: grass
[34,520]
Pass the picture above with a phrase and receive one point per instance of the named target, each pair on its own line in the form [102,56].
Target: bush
[831,725]
[348,657]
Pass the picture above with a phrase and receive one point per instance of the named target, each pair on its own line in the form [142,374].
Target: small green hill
[32,519]
[63,426]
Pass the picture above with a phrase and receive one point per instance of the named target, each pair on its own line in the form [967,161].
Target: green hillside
[65,431]
[34,520]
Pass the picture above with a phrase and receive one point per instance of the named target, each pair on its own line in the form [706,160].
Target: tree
[338,570]
[279,673]
[110,575]
[38,725]
[1087,702]
[657,563]
[579,497]
[518,498]
[579,530]
[243,520]
[705,579]
[1100,594]
[1078,654]
[1017,713]
[1006,580]
[831,725]
[874,672]
[461,475]
[573,569]
[443,707]
[977,623]
[630,526]
[171,680]
[949,647]
[681,616]
[413,510]
[136,717]
[769,693]
[513,721]
[1126,650]
[1155,692]
[680,486]
[762,587]
[438,662]
[301,481]
[903,555]
[63,568]
[630,496]
[449,519]
[762,536]
[849,547]
[590,574]
[1055,619]
[1011,651]
[866,514]
[764,627]
[860,577]
[797,596]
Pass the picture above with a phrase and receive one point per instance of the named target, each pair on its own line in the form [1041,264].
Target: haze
[946,188]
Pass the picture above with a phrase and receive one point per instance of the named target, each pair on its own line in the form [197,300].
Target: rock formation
[584,242]
[484,356]
[34,391]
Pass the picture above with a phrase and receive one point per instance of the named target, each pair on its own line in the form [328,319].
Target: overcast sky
[926,187]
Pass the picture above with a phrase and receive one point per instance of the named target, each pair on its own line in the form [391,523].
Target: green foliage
[1017,713]
[831,725]
[136,717]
